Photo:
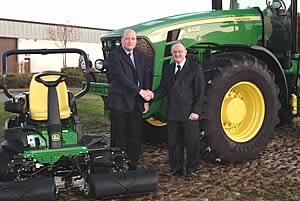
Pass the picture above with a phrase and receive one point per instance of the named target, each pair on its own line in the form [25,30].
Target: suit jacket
[123,92]
[186,94]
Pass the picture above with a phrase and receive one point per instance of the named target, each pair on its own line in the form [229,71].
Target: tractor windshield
[243,4]
[277,21]
[262,4]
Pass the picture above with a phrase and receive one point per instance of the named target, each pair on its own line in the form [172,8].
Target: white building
[17,34]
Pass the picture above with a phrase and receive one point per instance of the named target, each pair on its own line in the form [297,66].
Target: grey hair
[128,30]
[178,42]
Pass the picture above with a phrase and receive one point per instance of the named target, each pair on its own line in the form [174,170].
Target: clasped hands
[146,94]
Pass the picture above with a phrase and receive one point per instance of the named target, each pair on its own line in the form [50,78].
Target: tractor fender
[271,61]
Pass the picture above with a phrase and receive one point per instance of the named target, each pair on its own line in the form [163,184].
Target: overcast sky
[106,14]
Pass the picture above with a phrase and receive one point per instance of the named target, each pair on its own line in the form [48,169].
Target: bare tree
[63,34]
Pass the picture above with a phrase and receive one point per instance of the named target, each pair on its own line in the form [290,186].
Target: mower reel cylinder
[123,184]
[28,190]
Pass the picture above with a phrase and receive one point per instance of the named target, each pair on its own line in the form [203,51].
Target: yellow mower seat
[38,99]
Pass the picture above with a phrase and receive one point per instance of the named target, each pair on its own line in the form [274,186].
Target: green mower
[44,147]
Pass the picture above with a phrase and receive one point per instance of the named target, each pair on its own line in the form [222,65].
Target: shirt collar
[182,63]
[127,52]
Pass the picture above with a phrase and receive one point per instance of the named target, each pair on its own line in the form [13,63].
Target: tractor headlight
[104,43]
[82,65]
[117,43]
[99,65]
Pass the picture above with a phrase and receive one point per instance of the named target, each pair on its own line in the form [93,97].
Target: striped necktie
[131,58]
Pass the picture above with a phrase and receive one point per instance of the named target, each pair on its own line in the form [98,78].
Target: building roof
[12,28]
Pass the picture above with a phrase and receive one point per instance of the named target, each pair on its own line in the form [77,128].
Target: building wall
[55,61]
[36,35]
[11,61]
[40,31]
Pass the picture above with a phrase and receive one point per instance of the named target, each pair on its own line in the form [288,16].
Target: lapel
[182,74]
[125,57]
[172,73]
[137,61]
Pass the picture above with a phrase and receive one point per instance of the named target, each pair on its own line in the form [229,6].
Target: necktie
[131,58]
[177,72]
[134,71]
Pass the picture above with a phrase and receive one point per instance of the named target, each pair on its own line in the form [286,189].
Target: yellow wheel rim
[155,122]
[242,111]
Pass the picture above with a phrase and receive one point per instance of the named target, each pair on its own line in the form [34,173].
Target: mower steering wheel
[53,83]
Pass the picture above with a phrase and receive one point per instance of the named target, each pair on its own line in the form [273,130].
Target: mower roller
[44,148]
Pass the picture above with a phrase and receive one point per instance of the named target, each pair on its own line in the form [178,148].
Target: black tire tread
[220,68]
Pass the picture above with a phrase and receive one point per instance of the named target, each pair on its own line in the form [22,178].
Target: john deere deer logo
[55,137]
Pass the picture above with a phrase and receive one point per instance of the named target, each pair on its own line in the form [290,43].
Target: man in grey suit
[183,83]
[128,76]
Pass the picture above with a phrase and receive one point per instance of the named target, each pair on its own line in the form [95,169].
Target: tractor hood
[156,29]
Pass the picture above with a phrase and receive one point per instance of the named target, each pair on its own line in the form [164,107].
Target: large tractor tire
[240,109]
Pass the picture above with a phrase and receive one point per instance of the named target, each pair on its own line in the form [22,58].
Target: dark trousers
[126,132]
[183,134]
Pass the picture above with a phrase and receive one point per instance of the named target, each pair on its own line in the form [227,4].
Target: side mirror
[276,4]
[100,65]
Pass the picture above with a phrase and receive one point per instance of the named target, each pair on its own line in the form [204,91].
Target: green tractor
[44,148]
[249,51]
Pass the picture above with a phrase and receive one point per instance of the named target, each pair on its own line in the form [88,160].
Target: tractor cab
[280,32]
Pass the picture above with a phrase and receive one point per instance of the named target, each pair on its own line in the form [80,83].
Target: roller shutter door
[9,44]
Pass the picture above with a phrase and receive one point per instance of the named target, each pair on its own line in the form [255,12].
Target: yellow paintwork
[206,21]
[38,99]
[294,104]
[235,110]
[155,122]
[242,111]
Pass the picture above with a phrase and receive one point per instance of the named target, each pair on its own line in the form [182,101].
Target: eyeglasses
[178,51]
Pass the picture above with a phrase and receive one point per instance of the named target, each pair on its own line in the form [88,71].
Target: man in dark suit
[183,83]
[128,75]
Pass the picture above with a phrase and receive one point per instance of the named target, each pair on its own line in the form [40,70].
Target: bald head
[129,39]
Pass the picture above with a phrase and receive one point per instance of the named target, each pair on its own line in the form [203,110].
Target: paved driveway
[3,97]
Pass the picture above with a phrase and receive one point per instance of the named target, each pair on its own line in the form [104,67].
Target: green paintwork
[146,29]
[68,133]
[294,64]
[206,31]
[100,89]
[218,27]
[51,156]
[227,32]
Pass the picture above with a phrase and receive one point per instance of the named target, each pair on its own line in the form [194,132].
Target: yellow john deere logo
[55,137]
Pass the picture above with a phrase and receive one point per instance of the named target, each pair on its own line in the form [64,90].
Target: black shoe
[191,174]
[177,173]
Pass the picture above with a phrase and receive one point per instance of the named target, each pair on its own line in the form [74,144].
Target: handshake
[146,94]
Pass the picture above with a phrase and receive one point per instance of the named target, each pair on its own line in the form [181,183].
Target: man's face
[129,40]
[178,52]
